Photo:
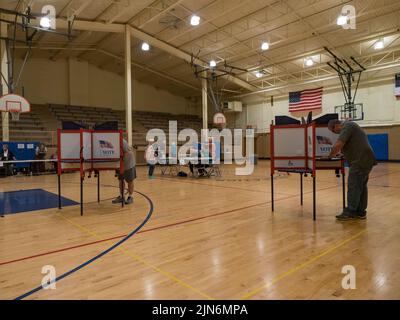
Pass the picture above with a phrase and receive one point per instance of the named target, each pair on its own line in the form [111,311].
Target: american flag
[324,140]
[106,144]
[305,100]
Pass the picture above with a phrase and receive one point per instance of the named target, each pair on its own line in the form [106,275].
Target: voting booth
[89,151]
[303,149]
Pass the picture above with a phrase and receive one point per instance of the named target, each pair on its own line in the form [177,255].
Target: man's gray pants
[357,193]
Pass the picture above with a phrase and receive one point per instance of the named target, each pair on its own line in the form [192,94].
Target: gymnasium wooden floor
[206,239]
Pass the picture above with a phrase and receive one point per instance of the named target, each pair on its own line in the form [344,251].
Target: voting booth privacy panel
[303,149]
[299,148]
[90,151]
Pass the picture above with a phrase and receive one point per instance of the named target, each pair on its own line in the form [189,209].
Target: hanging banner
[397,86]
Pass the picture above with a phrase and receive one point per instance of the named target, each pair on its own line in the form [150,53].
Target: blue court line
[29,293]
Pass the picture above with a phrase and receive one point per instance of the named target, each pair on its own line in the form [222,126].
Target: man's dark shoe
[129,200]
[345,216]
[117,200]
[361,215]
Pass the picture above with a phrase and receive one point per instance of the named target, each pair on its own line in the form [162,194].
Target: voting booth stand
[90,151]
[304,149]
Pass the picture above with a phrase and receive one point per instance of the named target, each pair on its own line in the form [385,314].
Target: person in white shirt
[151,156]
[129,174]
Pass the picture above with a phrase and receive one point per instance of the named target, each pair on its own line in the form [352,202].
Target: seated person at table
[7,155]
[54,163]
[40,154]
[204,160]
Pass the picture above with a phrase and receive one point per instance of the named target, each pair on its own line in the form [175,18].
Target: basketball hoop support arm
[346,74]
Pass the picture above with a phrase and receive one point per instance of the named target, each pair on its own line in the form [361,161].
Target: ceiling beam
[184,55]
[328,89]
[146,68]
[381,34]
[289,85]
[153,6]
[255,51]
[330,28]
[119,58]
[120,28]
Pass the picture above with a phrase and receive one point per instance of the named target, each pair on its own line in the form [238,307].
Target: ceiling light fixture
[213,63]
[265,46]
[309,62]
[379,45]
[195,20]
[145,46]
[45,22]
[341,20]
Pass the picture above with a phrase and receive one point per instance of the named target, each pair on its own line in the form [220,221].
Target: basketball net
[15,115]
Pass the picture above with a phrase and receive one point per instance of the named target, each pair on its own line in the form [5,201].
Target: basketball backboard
[353,112]
[14,103]
[219,118]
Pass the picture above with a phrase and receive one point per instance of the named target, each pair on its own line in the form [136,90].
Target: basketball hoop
[15,105]
[219,119]
[15,114]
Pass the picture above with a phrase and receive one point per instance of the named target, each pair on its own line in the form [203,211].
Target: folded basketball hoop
[15,105]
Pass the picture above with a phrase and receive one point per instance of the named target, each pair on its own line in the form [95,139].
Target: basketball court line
[121,236]
[185,284]
[61,250]
[371,177]
[155,228]
[169,275]
[249,190]
[218,186]
[115,246]
[382,186]
[302,265]
[138,258]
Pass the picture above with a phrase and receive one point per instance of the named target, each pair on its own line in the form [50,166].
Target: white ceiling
[231,31]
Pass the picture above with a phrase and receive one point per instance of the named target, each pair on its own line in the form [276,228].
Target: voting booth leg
[344,190]
[301,188]
[272,192]
[81,197]
[59,191]
[314,199]
[98,186]
[122,192]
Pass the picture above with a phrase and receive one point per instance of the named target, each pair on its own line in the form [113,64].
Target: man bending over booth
[353,143]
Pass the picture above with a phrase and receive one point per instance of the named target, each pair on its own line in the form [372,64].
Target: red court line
[60,250]
[168,225]
[124,235]
[155,228]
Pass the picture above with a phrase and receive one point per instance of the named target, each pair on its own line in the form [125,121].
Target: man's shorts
[129,175]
